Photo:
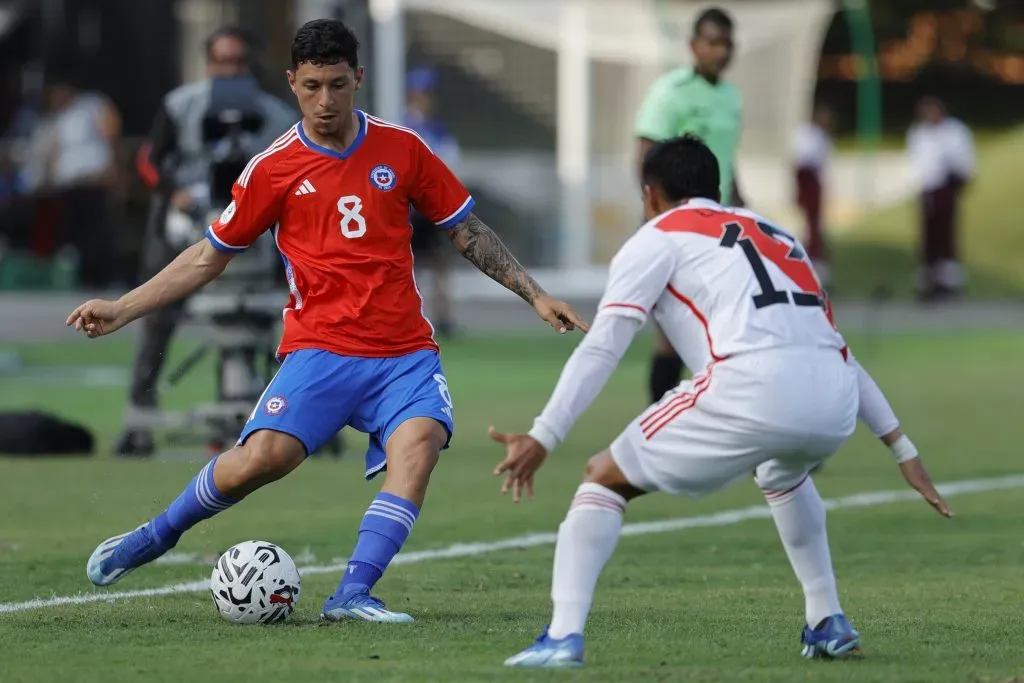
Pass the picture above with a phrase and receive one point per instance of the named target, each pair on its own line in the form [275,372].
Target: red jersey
[341,222]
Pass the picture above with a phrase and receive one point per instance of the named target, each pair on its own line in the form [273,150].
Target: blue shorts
[317,393]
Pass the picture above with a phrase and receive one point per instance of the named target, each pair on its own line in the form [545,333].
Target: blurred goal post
[605,55]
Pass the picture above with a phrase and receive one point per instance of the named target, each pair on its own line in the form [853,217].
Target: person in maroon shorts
[941,150]
[812,151]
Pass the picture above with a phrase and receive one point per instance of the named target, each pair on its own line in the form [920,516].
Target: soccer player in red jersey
[336,191]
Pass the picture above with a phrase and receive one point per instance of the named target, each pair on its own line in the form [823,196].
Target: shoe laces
[365,599]
[132,545]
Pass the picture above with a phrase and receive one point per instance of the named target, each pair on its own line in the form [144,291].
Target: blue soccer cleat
[119,555]
[361,606]
[550,653]
[833,638]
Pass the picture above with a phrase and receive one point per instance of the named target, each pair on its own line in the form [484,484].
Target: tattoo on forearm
[485,250]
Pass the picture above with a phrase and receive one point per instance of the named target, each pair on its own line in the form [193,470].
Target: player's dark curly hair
[682,168]
[325,41]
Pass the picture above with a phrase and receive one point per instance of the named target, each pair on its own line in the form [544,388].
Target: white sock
[586,541]
[800,518]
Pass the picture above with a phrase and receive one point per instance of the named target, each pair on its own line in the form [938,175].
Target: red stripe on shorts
[772,495]
[657,421]
[698,384]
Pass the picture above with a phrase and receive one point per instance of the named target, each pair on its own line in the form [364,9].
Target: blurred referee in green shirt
[694,100]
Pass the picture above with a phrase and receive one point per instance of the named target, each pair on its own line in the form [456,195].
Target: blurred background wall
[541,95]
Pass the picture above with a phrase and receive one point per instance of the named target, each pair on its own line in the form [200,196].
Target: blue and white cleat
[119,555]
[833,638]
[361,606]
[551,653]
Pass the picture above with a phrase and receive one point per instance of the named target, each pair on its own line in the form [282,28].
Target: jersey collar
[701,203]
[349,151]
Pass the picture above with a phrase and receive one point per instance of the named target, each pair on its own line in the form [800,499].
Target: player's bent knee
[602,469]
[777,483]
[417,459]
[412,453]
[270,455]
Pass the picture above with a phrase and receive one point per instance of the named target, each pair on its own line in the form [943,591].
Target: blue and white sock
[387,523]
[200,500]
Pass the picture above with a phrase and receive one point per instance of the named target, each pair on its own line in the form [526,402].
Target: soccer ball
[255,582]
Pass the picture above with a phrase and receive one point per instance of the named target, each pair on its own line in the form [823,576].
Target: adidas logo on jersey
[305,188]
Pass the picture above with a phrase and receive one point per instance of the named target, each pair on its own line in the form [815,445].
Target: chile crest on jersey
[384,177]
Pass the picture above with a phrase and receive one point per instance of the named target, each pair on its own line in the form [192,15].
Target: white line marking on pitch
[724,518]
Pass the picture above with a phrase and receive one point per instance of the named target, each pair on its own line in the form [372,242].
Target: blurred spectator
[70,169]
[23,122]
[15,208]
[9,191]
[427,240]
[941,149]
[175,163]
[812,152]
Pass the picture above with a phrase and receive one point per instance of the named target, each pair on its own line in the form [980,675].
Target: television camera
[237,315]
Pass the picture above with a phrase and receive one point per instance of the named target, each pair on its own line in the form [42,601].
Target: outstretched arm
[485,250]
[584,376]
[582,379]
[637,277]
[254,207]
[186,274]
[875,412]
[192,270]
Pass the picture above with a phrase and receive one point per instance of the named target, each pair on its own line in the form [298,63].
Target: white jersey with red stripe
[721,282]
[725,285]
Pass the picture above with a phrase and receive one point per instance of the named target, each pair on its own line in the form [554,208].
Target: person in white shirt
[812,152]
[779,393]
[71,171]
[941,150]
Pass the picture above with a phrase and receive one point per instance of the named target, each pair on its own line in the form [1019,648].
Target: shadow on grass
[870,269]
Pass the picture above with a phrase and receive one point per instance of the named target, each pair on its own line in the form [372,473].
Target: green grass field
[880,251]
[936,600]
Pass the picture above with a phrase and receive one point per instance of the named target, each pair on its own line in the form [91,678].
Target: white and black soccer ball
[255,582]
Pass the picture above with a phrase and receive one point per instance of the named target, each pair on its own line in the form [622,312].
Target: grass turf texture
[936,600]
[880,252]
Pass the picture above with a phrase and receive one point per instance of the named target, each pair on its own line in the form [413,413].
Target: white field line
[724,518]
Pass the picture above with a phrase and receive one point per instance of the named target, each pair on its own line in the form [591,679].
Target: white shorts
[775,414]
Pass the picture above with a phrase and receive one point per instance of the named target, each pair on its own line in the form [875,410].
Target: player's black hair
[230,31]
[715,16]
[682,168]
[325,41]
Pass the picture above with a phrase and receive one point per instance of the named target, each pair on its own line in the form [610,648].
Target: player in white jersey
[779,393]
